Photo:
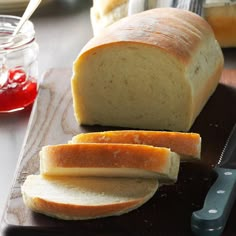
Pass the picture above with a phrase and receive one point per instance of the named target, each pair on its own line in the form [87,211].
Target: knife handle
[211,219]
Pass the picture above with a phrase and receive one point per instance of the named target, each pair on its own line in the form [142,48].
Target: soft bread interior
[84,198]
[170,177]
[132,75]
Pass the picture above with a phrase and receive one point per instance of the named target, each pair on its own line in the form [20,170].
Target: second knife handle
[211,219]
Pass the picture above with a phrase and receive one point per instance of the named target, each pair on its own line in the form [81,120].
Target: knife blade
[212,218]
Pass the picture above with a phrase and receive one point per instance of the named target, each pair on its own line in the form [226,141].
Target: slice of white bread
[110,160]
[72,198]
[188,145]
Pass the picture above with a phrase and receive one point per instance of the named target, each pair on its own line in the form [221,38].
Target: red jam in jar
[18,65]
[18,92]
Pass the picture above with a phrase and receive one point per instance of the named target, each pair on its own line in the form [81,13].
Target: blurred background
[62,28]
[17,7]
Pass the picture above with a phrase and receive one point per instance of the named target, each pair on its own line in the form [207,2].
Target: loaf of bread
[221,15]
[71,198]
[110,160]
[153,70]
[188,145]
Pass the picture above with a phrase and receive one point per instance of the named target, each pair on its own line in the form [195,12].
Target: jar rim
[7,25]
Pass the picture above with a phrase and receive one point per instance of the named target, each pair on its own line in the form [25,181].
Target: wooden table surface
[61,31]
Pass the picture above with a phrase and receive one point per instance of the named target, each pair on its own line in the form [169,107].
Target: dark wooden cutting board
[167,213]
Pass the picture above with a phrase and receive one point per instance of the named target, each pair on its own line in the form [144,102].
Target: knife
[212,218]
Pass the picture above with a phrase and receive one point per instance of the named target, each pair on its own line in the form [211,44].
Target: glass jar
[18,65]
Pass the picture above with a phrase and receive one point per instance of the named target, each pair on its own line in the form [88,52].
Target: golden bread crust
[187,144]
[155,28]
[100,155]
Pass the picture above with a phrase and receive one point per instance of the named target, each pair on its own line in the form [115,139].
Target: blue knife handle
[211,219]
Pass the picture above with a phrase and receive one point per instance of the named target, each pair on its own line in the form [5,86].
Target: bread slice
[109,160]
[72,198]
[188,145]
